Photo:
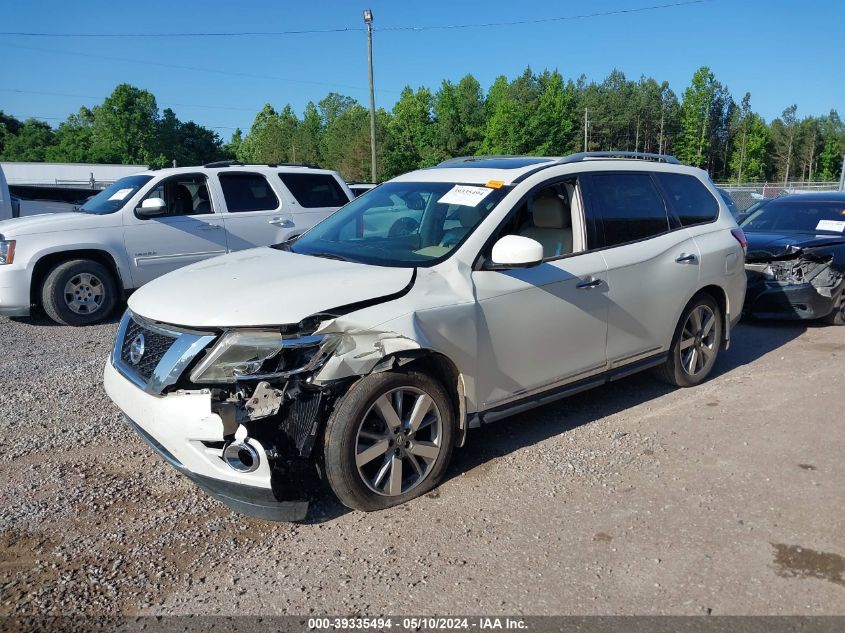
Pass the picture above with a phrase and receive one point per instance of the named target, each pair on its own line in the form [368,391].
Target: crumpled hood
[764,246]
[262,286]
[52,222]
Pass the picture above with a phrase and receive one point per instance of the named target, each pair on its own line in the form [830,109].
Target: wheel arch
[440,367]
[47,262]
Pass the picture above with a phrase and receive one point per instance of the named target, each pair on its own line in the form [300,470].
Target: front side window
[546,217]
[630,207]
[115,196]
[692,202]
[402,224]
[313,191]
[184,195]
[247,192]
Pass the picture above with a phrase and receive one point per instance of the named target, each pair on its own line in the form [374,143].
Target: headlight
[261,355]
[7,251]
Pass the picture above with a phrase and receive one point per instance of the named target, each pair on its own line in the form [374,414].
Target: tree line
[534,113]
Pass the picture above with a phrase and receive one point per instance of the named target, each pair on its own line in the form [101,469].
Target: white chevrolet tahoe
[441,300]
[78,265]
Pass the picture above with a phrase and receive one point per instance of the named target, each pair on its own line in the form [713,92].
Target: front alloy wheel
[389,439]
[398,441]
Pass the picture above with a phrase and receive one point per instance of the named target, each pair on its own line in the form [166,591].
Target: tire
[78,292]
[837,315]
[372,480]
[685,368]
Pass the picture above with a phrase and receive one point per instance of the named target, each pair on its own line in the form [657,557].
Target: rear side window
[692,202]
[630,207]
[247,192]
[315,190]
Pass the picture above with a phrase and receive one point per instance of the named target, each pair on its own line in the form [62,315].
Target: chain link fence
[746,194]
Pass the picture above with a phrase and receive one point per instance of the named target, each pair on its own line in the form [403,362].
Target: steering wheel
[403,226]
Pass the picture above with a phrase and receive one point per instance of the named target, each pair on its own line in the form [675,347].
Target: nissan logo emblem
[136,349]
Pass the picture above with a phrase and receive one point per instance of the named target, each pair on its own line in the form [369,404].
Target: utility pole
[662,118]
[842,176]
[586,123]
[368,19]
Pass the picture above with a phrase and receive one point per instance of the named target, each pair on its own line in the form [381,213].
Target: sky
[781,52]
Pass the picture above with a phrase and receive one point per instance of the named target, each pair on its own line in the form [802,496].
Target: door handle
[683,258]
[586,285]
[211,227]
[283,222]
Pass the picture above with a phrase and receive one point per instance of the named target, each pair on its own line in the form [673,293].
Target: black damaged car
[796,258]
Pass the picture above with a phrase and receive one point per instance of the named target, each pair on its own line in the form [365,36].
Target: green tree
[784,136]
[750,144]
[551,123]
[30,143]
[833,147]
[73,139]
[410,133]
[460,118]
[272,137]
[692,145]
[308,136]
[9,125]
[125,127]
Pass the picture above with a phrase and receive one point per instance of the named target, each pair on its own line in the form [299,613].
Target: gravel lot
[630,499]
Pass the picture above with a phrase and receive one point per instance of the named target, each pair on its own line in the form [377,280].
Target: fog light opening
[241,456]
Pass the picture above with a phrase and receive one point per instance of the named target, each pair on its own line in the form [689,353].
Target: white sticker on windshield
[120,194]
[465,196]
[831,225]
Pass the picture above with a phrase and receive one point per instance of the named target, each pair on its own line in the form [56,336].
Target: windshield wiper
[339,258]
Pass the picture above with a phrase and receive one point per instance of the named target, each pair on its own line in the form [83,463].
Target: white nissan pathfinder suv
[441,300]
[77,265]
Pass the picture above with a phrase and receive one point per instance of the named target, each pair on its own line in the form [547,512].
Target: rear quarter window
[313,191]
[690,199]
[247,192]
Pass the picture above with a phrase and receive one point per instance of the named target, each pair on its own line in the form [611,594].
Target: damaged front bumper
[181,427]
[777,300]
[802,286]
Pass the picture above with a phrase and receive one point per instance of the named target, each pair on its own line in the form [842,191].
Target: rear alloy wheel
[389,440]
[696,344]
[78,292]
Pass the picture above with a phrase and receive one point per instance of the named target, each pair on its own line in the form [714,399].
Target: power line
[563,18]
[192,68]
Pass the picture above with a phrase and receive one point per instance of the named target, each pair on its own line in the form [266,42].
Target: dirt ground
[630,499]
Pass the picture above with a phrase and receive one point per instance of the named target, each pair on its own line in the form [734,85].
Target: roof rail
[224,163]
[582,156]
[472,159]
[237,163]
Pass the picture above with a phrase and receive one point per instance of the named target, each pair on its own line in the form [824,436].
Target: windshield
[113,197]
[402,224]
[794,214]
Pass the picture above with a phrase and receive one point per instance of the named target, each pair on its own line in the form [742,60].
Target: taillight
[739,235]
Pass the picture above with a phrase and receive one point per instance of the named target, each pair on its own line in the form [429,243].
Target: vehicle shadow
[39,318]
[749,341]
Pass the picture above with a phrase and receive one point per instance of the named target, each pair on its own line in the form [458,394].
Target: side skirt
[558,393]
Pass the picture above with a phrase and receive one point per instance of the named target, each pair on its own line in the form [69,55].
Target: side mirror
[152,207]
[516,251]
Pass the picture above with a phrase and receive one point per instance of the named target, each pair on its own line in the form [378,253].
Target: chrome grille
[153,356]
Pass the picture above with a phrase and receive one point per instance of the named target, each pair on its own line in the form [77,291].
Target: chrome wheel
[398,441]
[698,340]
[84,293]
